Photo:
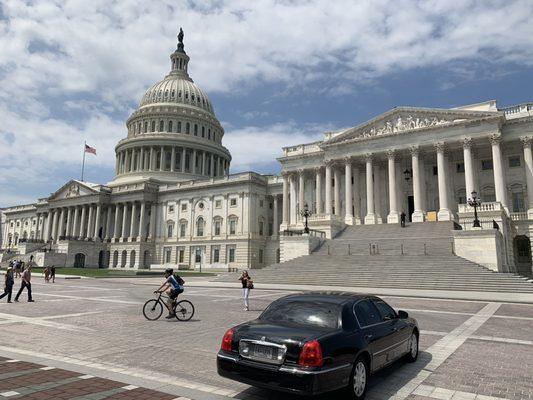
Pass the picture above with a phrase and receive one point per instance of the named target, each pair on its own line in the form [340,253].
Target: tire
[184,310]
[413,348]
[152,310]
[359,379]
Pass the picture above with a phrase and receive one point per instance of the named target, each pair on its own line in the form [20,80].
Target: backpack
[179,279]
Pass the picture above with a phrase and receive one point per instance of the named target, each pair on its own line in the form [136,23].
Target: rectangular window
[198,255]
[181,255]
[261,224]
[167,254]
[183,227]
[170,209]
[218,203]
[216,254]
[232,227]
[170,231]
[518,202]
[233,202]
[486,165]
[184,207]
[231,254]
[460,168]
[217,228]
[270,229]
[514,161]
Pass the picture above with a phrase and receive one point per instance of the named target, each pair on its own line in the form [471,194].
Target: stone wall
[482,246]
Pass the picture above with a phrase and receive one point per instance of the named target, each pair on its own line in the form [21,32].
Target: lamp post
[50,242]
[475,202]
[305,213]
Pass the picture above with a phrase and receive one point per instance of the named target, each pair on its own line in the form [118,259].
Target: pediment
[75,188]
[405,119]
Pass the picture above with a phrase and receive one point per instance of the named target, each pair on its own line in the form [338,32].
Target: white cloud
[73,70]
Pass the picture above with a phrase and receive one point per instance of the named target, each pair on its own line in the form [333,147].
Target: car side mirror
[402,314]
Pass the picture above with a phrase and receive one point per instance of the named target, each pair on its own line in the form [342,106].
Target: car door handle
[395,329]
[369,336]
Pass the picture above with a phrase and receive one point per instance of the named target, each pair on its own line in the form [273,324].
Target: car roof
[326,296]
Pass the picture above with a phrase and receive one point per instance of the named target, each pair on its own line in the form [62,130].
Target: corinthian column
[123,236]
[285,201]
[318,193]
[444,213]
[499,173]
[329,206]
[528,159]
[418,213]
[141,222]
[469,169]
[370,217]
[301,192]
[81,235]
[275,223]
[348,191]
[74,232]
[392,218]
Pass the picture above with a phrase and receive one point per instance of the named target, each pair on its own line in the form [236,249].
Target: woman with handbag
[247,285]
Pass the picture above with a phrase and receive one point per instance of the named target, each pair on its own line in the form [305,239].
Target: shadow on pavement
[383,384]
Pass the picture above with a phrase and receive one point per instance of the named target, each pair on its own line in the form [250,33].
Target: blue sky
[278,72]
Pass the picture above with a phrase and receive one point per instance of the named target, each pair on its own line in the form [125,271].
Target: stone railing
[484,207]
[519,216]
[521,110]
[301,149]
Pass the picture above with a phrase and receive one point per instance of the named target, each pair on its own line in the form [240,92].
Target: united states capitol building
[173,201]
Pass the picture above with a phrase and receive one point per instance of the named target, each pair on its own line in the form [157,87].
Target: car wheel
[359,379]
[413,348]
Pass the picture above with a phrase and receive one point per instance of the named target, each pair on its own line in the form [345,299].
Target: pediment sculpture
[73,190]
[404,123]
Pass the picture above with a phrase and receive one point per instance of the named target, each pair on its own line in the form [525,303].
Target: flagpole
[83,163]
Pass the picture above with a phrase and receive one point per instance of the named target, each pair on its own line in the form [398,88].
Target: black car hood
[292,336]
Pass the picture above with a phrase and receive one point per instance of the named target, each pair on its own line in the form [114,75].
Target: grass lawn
[116,273]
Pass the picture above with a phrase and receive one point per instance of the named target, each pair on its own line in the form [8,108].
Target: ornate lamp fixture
[306,213]
[407,174]
[475,202]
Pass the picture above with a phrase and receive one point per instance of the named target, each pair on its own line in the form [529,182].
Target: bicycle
[153,309]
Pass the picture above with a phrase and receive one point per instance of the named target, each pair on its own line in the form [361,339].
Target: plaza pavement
[91,327]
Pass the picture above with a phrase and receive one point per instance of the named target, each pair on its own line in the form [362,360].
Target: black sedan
[318,342]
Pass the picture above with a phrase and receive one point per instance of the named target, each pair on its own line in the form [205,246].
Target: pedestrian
[17,268]
[53,273]
[402,219]
[46,272]
[26,283]
[247,285]
[9,281]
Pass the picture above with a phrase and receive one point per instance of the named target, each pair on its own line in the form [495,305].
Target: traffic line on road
[41,321]
[100,299]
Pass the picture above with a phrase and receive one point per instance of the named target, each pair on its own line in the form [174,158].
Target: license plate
[263,352]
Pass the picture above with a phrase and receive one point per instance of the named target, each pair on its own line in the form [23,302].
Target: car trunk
[292,336]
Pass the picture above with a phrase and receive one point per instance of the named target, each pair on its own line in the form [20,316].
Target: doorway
[79,260]
[411,207]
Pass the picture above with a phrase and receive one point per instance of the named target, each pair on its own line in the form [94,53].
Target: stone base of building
[393,218]
[349,220]
[371,219]
[445,215]
[419,216]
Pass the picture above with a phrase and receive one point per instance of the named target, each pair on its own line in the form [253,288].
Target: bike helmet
[169,271]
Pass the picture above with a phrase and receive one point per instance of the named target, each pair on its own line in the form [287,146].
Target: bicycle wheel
[184,310]
[152,309]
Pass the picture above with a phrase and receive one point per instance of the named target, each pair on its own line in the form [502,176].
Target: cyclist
[173,289]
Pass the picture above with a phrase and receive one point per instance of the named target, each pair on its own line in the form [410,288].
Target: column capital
[467,143]
[347,160]
[526,141]
[415,151]
[369,157]
[440,147]
[318,169]
[495,138]
[330,163]
[391,154]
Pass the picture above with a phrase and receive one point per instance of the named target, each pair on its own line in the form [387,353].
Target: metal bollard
[425,250]
[401,247]
[349,251]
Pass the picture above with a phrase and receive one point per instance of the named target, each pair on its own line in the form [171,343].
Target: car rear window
[308,313]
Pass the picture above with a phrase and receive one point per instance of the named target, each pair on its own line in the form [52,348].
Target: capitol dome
[174,134]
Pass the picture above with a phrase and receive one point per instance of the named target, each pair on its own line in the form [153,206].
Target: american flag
[89,149]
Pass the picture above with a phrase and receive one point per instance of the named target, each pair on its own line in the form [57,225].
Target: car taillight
[227,340]
[311,355]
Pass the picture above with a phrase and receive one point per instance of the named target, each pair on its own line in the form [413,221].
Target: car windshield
[308,313]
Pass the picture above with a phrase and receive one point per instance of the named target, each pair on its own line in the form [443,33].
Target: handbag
[250,284]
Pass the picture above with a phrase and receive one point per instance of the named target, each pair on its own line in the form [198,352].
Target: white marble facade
[173,201]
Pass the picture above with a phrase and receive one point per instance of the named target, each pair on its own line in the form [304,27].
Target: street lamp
[306,214]
[407,174]
[475,202]
[50,241]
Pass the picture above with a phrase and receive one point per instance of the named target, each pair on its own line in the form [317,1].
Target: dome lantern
[179,59]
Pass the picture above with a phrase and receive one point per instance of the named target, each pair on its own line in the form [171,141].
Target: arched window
[170,126]
[187,128]
[195,130]
[217,225]
[145,126]
[153,126]
[170,230]
[200,227]
[183,228]
[209,134]
[203,131]
[168,160]
[161,126]
[179,127]
[132,258]
[232,225]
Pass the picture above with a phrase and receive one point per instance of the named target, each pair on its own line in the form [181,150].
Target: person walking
[53,273]
[247,285]
[46,272]
[9,281]
[17,268]
[26,283]
[402,219]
